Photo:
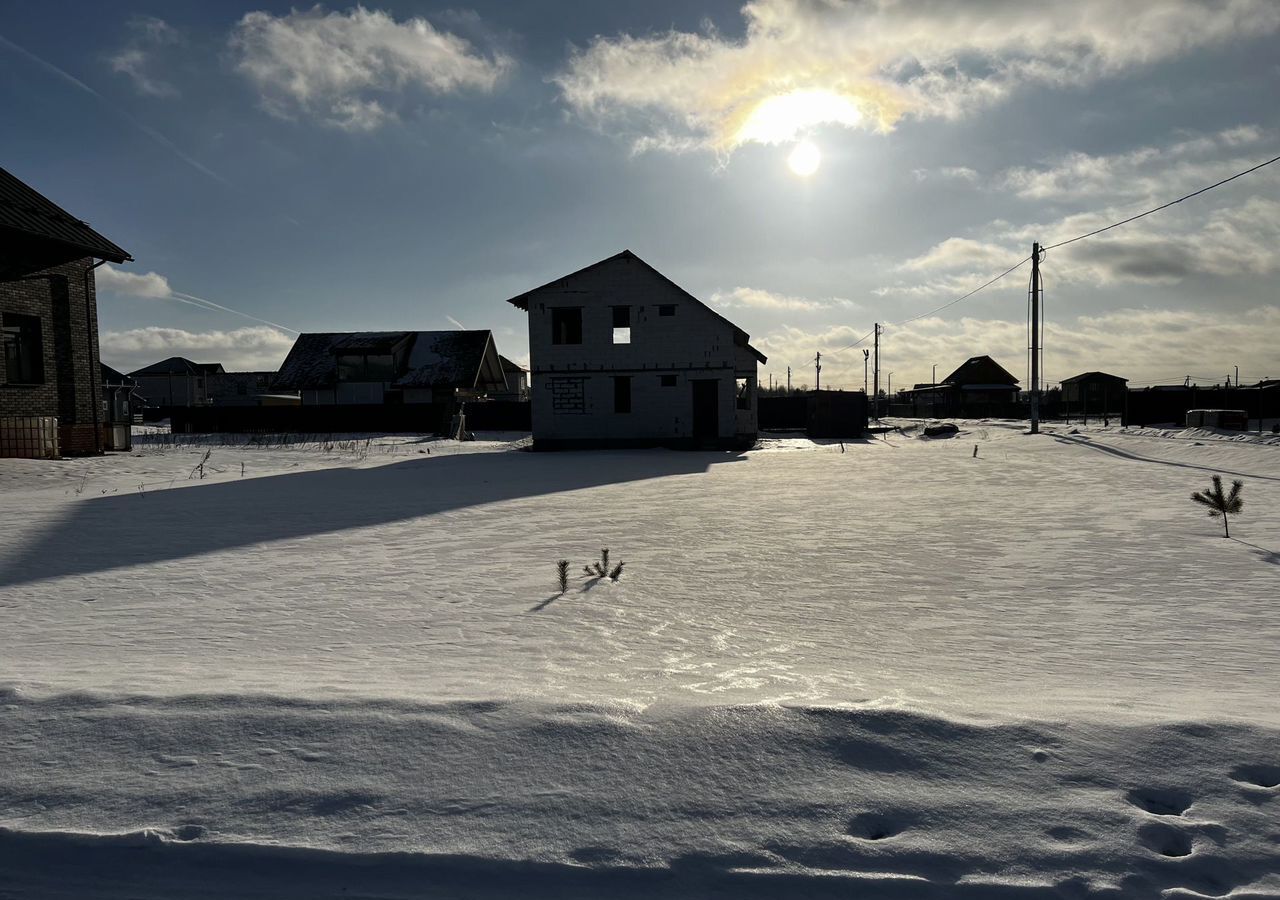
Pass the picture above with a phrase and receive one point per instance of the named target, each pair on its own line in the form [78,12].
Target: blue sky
[412,165]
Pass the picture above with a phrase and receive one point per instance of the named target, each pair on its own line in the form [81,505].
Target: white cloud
[136,58]
[869,64]
[1143,345]
[756,298]
[330,64]
[254,348]
[152,285]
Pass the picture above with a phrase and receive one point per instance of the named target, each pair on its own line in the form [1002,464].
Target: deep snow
[888,664]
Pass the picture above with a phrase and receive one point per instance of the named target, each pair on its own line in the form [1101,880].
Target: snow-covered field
[883,669]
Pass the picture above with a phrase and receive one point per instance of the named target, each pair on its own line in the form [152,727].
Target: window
[566,325]
[622,394]
[622,324]
[667,310]
[744,393]
[668,381]
[23,349]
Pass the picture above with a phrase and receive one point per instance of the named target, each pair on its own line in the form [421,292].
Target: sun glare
[804,159]
[785,117]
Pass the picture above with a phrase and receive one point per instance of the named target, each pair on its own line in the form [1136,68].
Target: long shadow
[1125,454]
[1271,556]
[118,530]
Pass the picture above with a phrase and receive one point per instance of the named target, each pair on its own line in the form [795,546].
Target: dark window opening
[23,349]
[566,325]
[622,324]
[622,394]
[668,381]
[668,310]
[744,393]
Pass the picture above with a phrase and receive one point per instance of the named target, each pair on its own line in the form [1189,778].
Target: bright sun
[805,159]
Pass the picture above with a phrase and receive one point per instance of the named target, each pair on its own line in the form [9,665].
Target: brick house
[620,355]
[50,383]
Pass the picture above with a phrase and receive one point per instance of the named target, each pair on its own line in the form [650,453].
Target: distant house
[372,367]
[50,388]
[980,386]
[517,381]
[176,381]
[240,388]
[1094,393]
[620,355]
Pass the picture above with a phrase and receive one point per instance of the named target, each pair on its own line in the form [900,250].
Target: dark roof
[178,365]
[509,366]
[453,359]
[980,370]
[1090,376]
[27,212]
[741,338]
[111,376]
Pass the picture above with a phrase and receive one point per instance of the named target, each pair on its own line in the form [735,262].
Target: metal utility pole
[866,354]
[1035,338]
[817,367]
[876,380]
[889,390]
[1237,376]
[934,381]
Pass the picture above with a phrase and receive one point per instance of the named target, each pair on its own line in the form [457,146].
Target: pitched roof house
[176,381]
[979,386]
[391,367]
[620,355]
[50,381]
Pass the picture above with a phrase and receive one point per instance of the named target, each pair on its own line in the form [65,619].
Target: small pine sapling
[617,572]
[1220,503]
[562,571]
[599,569]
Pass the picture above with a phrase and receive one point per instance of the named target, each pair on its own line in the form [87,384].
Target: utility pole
[876,380]
[1035,338]
[788,379]
[817,376]
[1237,376]
[866,354]
[889,390]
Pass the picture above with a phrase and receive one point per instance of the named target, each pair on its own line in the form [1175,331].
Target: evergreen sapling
[1220,503]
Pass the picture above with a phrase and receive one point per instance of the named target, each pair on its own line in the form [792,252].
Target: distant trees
[1221,503]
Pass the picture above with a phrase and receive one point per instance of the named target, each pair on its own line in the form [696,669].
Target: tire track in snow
[1081,441]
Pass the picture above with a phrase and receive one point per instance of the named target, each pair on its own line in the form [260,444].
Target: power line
[1202,190]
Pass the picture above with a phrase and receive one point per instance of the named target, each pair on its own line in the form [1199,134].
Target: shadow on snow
[122,530]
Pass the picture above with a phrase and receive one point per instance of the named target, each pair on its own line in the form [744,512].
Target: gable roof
[178,365]
[112,376]
[1088,376]
[980,370]
[509,366]
[434,359]
[740,337]
[41,229]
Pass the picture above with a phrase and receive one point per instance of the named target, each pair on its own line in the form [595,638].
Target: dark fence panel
[1148,406]
[413,418]
[780,413]
[499,415]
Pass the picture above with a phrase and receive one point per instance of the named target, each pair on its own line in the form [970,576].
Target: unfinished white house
[621,356]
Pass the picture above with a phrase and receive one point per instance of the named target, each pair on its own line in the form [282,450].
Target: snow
[882,665]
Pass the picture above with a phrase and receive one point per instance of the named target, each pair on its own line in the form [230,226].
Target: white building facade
[622,356]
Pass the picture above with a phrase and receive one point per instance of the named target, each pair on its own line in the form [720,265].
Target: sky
[807,167]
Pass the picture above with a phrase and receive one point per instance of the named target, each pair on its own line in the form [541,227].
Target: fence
[821,414]
[408,418]
[1156,406]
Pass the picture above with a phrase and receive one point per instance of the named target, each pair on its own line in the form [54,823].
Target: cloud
[136,57]
[1143,345]
[756,298]
[343,68]
[255,348]
[805,63]
[151,285]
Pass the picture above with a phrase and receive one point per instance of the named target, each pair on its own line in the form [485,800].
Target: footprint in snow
[1164,839]
[1159,802]
[1257,775]
[308,755]
[189,832]
[177,762]
[873,827]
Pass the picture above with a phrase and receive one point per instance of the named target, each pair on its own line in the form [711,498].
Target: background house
[50,391]
[979,387]
[1094,394]
[175,381]
[376,367]
[621,355]
[517,381]
[122,407]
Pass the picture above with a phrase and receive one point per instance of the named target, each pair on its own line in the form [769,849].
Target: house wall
[64,300]
[173,390]
[572,384]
